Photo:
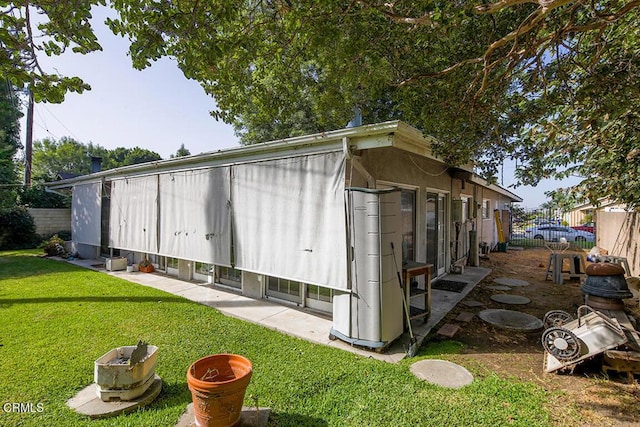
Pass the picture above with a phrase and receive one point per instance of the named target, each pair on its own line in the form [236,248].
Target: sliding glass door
[436,234]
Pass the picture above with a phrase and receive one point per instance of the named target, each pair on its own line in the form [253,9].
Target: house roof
[497,188]
[65,175]
[395,134]
[603,204]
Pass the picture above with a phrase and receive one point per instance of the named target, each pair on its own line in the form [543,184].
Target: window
[408,213]
[230,276]
[288,290]
[465,208]
[284,286]
[203,268]
[156,260]
[203,271]
[486,209]
[172,262]
[319,293]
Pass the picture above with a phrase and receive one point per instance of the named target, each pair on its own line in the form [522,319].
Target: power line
[46,130]
[59,121]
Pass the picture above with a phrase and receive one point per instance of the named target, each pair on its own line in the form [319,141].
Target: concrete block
[448,330]
[465,317]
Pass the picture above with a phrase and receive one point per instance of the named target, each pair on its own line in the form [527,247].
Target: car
[589,227]
[554,233]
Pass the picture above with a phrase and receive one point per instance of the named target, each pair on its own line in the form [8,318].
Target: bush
[17,229]
[54,246]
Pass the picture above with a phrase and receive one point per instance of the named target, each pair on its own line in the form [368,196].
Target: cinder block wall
[49,221]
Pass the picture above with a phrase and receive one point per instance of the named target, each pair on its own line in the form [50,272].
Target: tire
[538,237]
[581,239]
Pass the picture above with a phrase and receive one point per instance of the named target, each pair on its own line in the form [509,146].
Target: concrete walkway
[292,320]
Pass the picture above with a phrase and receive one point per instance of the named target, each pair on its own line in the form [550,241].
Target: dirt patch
[586,396]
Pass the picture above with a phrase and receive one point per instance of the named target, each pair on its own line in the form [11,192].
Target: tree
[490,81]
[68,156]
[57,26]
[9,143]
[560,200]
[65,156]
[533,80]
[181,152]
[122,156]
[588,123]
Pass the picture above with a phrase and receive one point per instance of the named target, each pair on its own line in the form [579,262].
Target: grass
[57,319]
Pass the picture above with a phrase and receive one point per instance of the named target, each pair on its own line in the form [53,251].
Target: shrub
[53,246]
[17,229]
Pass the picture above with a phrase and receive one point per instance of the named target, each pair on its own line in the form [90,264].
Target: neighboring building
[307,220]
[584,213]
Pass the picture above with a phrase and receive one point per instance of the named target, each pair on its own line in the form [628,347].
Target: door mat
[449,285]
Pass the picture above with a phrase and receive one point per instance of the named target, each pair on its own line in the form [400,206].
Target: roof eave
[362,137]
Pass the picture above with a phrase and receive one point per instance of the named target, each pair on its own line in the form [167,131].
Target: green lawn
[57,319]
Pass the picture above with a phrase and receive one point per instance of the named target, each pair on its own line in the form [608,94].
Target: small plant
[145,266]
[54,247]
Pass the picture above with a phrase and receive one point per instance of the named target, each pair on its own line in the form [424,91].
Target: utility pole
[29,142]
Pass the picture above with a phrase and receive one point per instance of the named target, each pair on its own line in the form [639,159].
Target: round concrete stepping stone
[442,373]
[506,281]
[510,319]
[472,303]
[499,288]
[510,299]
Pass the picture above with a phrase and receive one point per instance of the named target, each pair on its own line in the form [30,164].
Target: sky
[157,108]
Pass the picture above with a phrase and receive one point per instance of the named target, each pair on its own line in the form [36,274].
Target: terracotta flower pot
[148,268]
[218,384]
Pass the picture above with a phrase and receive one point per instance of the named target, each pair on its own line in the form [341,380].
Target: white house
[308,220]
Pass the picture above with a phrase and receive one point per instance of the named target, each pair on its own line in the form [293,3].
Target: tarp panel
[133,221]
[195,220]
[85,213]
[289,218]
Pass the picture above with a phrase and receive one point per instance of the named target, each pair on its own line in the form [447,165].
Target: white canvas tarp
[289,218]
[133,221]
[195,220]
[85,213]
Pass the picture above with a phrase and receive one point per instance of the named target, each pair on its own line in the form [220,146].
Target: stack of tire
[605,286]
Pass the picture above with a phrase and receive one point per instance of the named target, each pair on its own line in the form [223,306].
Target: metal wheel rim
[556,318]
[561,343]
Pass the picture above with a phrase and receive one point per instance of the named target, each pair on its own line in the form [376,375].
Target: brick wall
[49,221]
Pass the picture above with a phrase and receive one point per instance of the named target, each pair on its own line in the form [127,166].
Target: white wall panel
[195,215]
[85,213]
[289,218]
[133,223]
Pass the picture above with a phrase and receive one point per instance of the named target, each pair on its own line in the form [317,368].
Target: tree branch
[30,44]
[389,12]
[534,20]
[503,4]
